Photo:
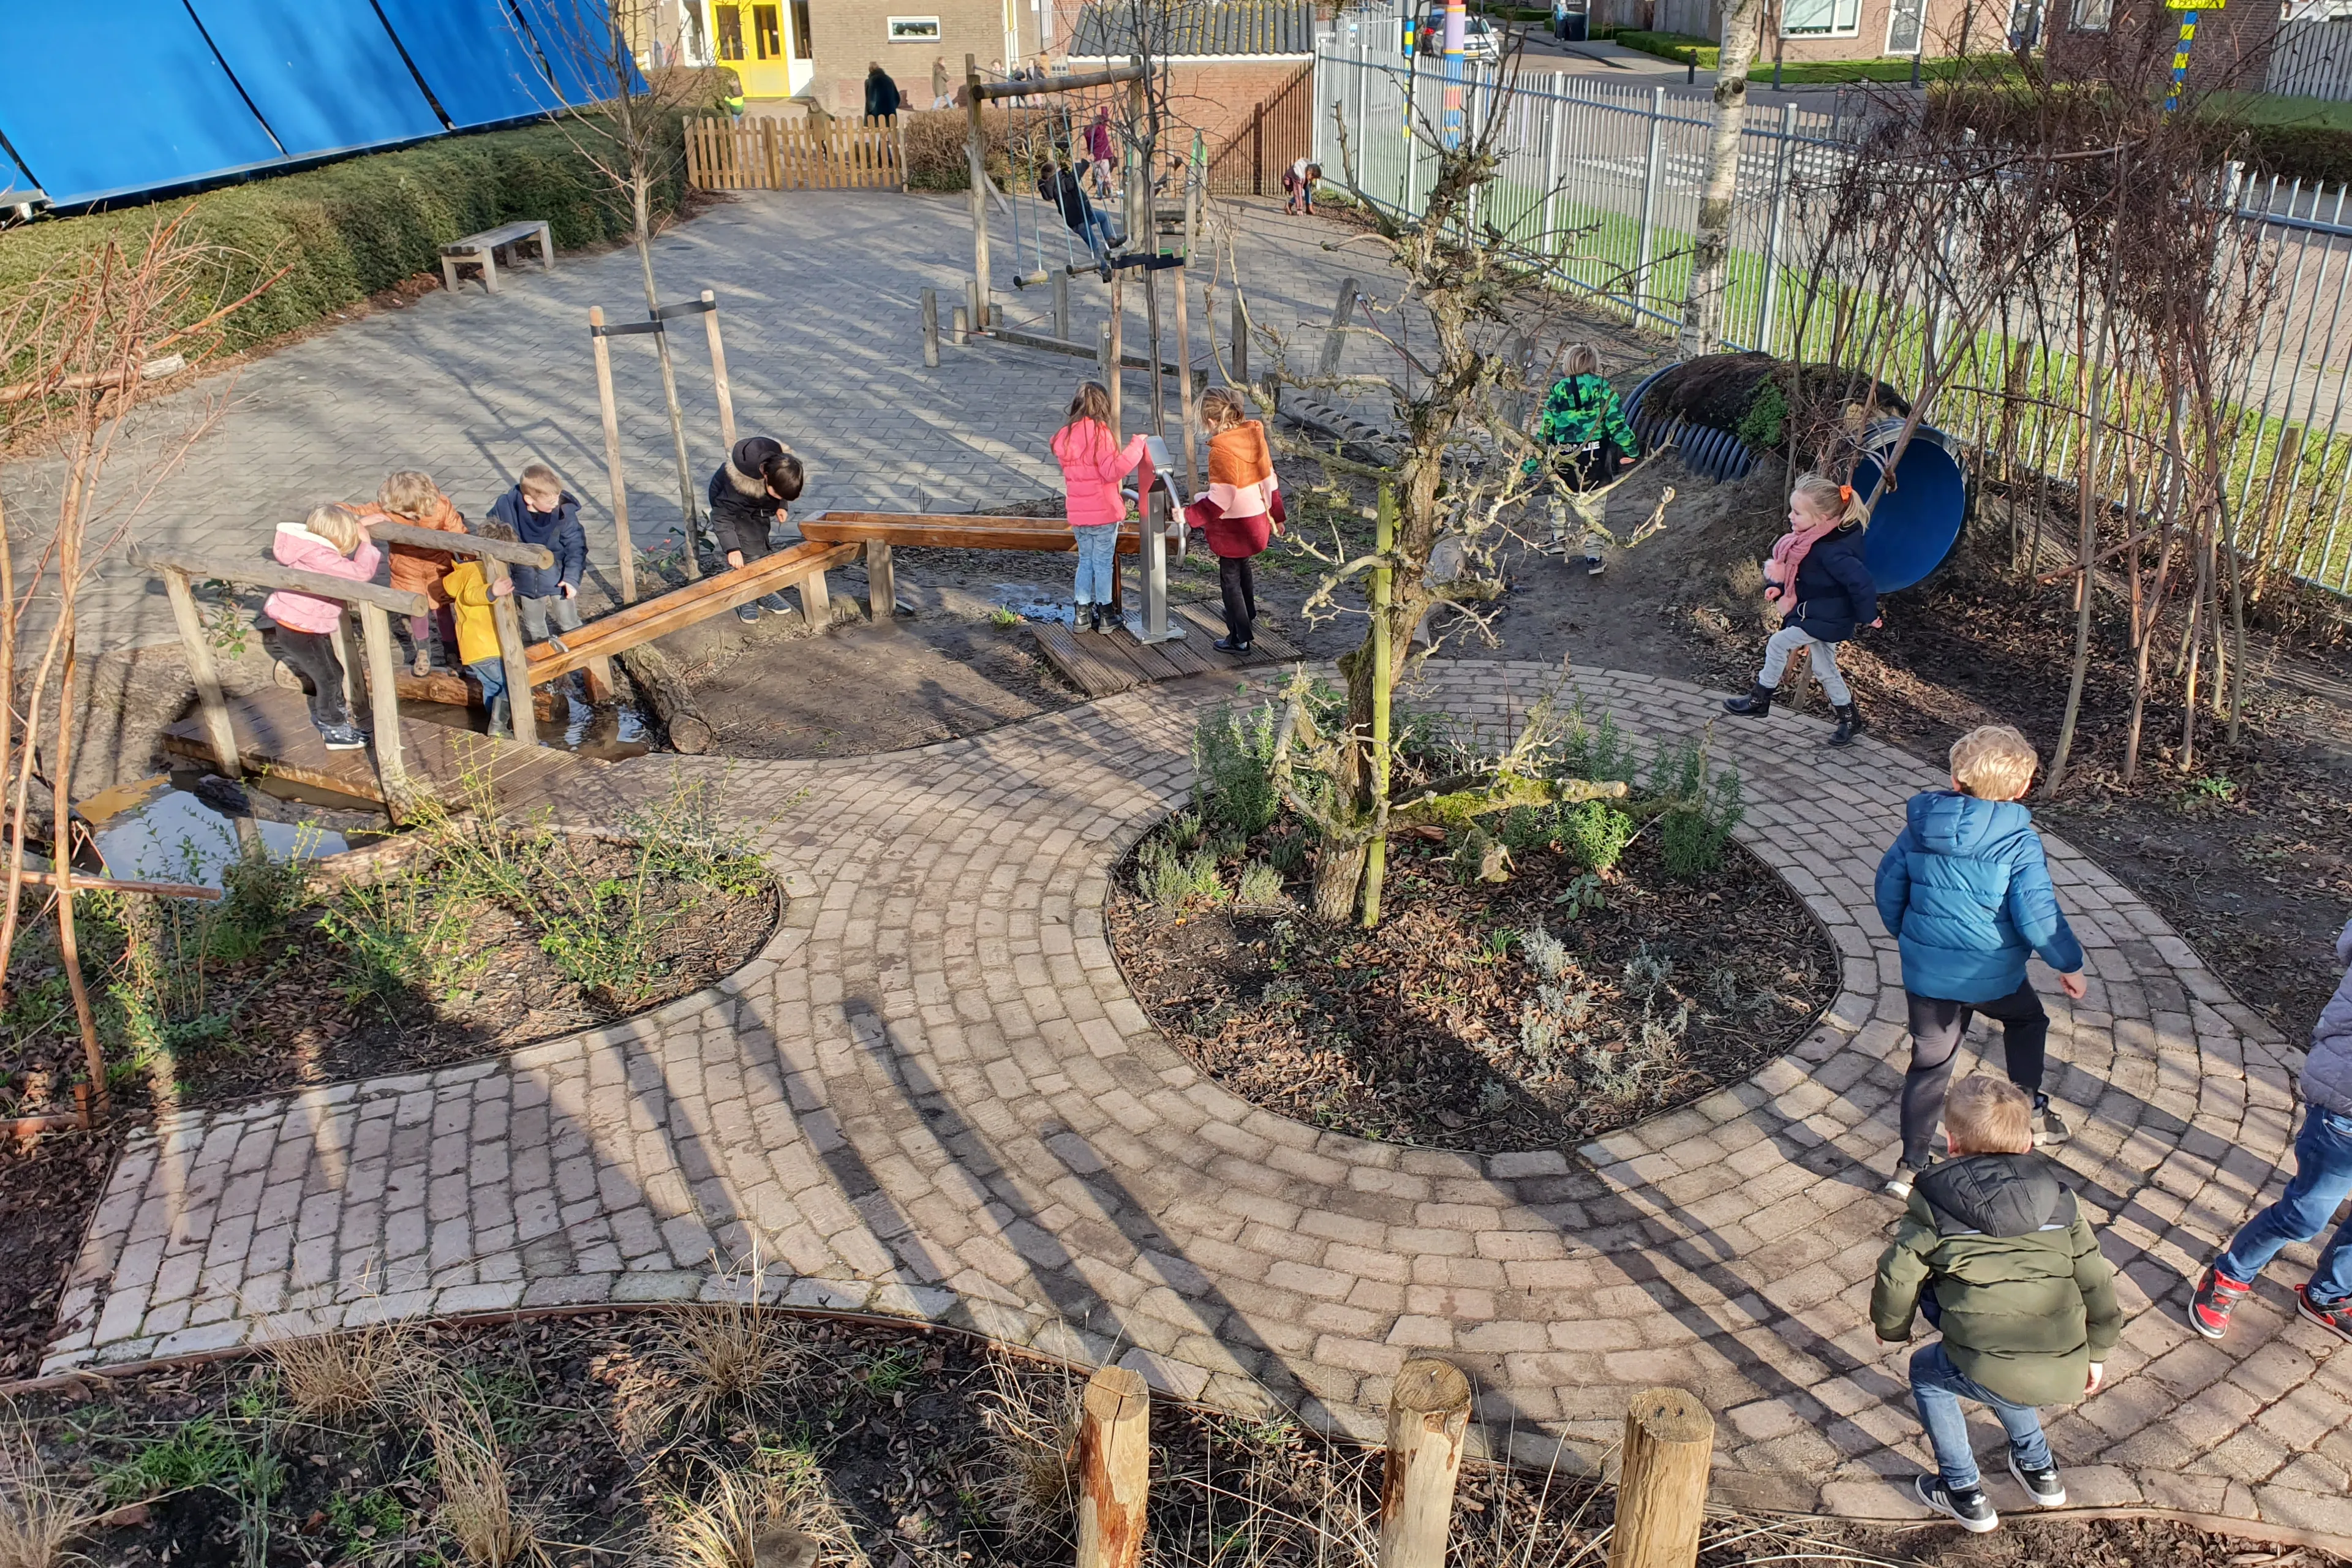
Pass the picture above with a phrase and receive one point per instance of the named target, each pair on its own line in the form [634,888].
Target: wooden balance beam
[800,565]
[879,531]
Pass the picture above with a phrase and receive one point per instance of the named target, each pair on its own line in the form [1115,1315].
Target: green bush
[352,228]
[1700,809]
[1595,833]
[936,159]
[1232,762]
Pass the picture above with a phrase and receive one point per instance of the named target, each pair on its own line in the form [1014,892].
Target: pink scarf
[1789,553]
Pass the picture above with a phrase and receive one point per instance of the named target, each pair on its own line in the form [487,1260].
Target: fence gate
[1278,132]
[808,154]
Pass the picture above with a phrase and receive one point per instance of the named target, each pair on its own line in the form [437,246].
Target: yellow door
[750,39]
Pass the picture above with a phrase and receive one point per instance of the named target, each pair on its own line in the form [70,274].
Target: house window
[914,29]
[1906,22]
[1820,18]
[803,44]
[730,32]
[2092,16]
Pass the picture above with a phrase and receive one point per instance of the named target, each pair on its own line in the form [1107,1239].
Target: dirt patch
[47,1188]
[883,1445]
[1449,1024]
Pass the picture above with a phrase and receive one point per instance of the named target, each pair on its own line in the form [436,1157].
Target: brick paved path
[933,1094]
[819,294]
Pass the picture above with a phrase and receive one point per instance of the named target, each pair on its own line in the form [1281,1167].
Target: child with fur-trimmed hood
[752,488]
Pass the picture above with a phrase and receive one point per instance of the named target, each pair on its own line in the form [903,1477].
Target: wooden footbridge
[271,732]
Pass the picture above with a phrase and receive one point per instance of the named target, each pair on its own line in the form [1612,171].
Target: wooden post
[1662,1489]
[816,603]
[931,328]
[975,315]
[507,622]
[1184,327]
[347,647]
[719,373]
[1240,342]
[384,704]
[1152,331]
[881,583]
[1114,1467]
[1429,1415]
[1116,361]
[628,555]
[2278,495]
[597,675]
[199,649]
[1062,303]
[899,122]
[976,153]
[1335,339]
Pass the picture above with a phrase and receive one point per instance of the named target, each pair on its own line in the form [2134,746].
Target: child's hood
[293,538]
[463,576]
[515,510]
[1997,1195]
[1949,823]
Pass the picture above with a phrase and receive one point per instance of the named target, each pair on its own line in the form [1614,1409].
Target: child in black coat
[1818,576]
[756,485]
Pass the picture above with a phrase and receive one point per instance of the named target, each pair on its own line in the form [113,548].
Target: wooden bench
[481,250]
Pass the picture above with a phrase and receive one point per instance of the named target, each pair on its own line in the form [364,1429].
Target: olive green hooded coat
[2027,1301]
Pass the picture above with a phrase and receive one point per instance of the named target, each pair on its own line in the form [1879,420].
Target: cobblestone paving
[819,294]
[933,1094]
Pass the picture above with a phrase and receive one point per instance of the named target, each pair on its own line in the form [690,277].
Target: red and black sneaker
[2336,1317]
[2217,1297]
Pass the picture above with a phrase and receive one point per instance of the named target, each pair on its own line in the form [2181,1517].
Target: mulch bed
[1411,1032]
[899,1429]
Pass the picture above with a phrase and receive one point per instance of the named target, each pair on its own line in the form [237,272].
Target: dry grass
[728,1356]
[759,1518]
[478,1511]
[1032,1425]
[331,1376]
[41,1510]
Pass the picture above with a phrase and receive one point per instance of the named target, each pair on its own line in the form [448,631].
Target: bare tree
[1711,247]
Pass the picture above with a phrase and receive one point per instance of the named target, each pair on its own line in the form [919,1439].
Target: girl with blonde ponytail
[1818,578]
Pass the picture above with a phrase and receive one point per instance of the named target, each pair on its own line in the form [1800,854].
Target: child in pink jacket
[333,542]
[1092,466]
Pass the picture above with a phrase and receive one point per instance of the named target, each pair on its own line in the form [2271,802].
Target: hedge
[352,228]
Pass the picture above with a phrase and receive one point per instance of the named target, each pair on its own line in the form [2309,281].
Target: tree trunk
[667,695]
[2085,552]
[1339,873]
[1711,250]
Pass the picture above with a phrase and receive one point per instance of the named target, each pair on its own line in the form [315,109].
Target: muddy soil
[881,1444]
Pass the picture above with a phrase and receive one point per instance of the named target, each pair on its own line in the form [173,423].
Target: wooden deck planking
[275,737]
[1099,664]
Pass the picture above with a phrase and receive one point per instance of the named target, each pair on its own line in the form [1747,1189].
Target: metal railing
[1603,182]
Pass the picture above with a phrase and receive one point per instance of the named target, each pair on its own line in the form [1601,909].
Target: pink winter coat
[1091,470]
[298,547]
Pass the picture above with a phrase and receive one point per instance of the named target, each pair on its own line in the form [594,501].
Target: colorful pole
[1457,26]
[2180,60]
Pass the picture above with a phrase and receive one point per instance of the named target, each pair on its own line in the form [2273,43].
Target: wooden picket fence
[771,154]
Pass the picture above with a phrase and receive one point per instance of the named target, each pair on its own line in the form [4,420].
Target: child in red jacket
[1241,510]
[334,542]
[1093,463]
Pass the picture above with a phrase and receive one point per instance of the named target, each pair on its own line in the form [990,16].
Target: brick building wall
[849,34]
[2232,48]
[1986,22]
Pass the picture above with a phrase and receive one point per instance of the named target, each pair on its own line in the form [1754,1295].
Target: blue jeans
[492,674]
[1099,233]
[1098,559]
[2323,1175]
[1938,1388]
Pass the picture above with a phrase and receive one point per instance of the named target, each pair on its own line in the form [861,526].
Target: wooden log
[472,544]
[111,885]
[198,648]
[989,91]
[881,583]
[613,472]
[718,382]
[667,697]
[1662,1488]
[384,704]
[1429,1415]
[255,573]
[1114,1468]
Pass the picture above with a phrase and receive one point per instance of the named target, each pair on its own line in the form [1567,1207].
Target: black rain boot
[1754,705]
[1850,723]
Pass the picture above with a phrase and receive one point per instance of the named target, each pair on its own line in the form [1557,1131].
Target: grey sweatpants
[1788,640]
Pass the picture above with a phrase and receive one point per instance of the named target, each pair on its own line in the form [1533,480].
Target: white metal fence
[1604,181]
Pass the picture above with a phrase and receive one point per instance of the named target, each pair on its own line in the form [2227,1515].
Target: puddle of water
[1021,599]
[609,733]
[150,832]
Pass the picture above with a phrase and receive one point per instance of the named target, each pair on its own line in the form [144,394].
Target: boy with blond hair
[1996,1253]
[1964,889]
[540,510]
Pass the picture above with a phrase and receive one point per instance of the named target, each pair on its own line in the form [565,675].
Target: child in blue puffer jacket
[1966,891]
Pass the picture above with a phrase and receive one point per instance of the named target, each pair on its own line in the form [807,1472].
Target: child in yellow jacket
[470,593]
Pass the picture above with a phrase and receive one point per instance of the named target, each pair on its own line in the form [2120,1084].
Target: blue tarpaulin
[15,186]
[574,40]
[324,75]
[480,69]
[166,113]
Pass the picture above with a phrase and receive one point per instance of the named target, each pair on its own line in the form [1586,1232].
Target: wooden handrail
[271,575]
[512,553]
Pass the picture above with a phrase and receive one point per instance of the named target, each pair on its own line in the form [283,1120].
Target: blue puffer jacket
[2327,1070]
[1835,592]
[1966,891]
[560,531]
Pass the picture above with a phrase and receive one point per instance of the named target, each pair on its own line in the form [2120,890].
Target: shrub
[936,160]
[1172,880]
[1700,808]
[1598,752]
[1261,885]
[1595,832]
[352,228]
[1232,766]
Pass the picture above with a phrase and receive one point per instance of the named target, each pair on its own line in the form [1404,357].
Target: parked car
[1480,40]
